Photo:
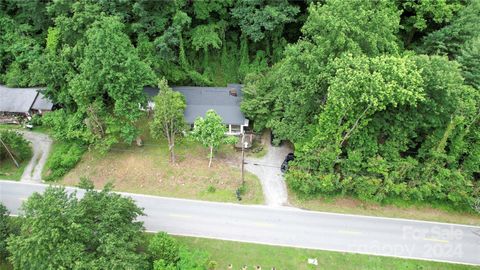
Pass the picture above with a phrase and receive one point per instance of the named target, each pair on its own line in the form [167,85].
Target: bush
[4,232]
[211,189]
[36,120]
[16,144]
[165,248]
[62,159]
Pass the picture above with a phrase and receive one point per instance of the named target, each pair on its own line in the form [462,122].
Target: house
[223,100]
[24,101]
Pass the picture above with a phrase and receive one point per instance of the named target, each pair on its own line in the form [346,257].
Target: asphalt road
[293,227]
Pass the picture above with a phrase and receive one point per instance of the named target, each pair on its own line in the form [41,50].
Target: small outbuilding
[23,101]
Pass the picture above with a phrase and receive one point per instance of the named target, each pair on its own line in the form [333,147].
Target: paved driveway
[41,145]
[267,169]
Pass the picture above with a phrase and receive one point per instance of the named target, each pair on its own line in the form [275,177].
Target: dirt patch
[147,170]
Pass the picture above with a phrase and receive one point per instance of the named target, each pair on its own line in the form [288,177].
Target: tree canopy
[168,120]
[379,98]
[369,118]
[210,132]
[59,231]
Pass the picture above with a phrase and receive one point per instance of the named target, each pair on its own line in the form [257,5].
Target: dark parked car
[288,158]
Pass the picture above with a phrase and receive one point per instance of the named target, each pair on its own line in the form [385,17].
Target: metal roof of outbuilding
[17,100]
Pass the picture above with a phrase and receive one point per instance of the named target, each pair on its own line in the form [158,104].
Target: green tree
[293,92]
[168,120]
[469,58]
[12,142]
[109,87]
[40,244]
[210,132]
[450,39]
[355,27]
[59,231]
[423,16]
[4,232]
[259,18]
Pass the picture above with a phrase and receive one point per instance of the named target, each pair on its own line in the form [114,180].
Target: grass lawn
[8,170]
[239,254]
[394,209]
[147,170]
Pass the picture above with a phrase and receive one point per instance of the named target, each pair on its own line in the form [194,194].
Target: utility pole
[243,157]
[16,163]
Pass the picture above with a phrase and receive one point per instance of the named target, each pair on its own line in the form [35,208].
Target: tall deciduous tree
[168,120]
[210,132]
[260,18]
[469,58]
[59,231]
[355,27]
[290,95]
[109,87]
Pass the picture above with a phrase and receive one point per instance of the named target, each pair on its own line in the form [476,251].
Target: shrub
[62,159]
[165,248]
[211,189]
[36,120]
[16,144]
[367,187]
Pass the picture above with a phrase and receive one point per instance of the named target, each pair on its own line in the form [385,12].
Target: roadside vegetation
[393,208]
[92,236]
[14,150]
[381,100]
[266,256]
[63,157]
[90,230]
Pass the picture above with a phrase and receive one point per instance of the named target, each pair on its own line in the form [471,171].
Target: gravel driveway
[267,169]
[41,145]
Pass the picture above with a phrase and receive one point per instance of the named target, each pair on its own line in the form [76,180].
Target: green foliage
[62,159]
[469,58]
[368,119]
[168,120]
[210,132]
[425,16]
[193,259]
[168,254]
[59,231]
[109,87]
[205,36]
[368,27]
[450,39]
[4,232]
[16,144]
[165,248]
[19,53]
[259,18]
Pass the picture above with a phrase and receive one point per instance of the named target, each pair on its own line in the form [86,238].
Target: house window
[235,128]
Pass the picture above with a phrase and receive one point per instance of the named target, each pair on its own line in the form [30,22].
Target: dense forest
[380,98]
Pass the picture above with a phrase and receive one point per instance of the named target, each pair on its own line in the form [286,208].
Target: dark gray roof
[17,100]
[201,99]
[42,103]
